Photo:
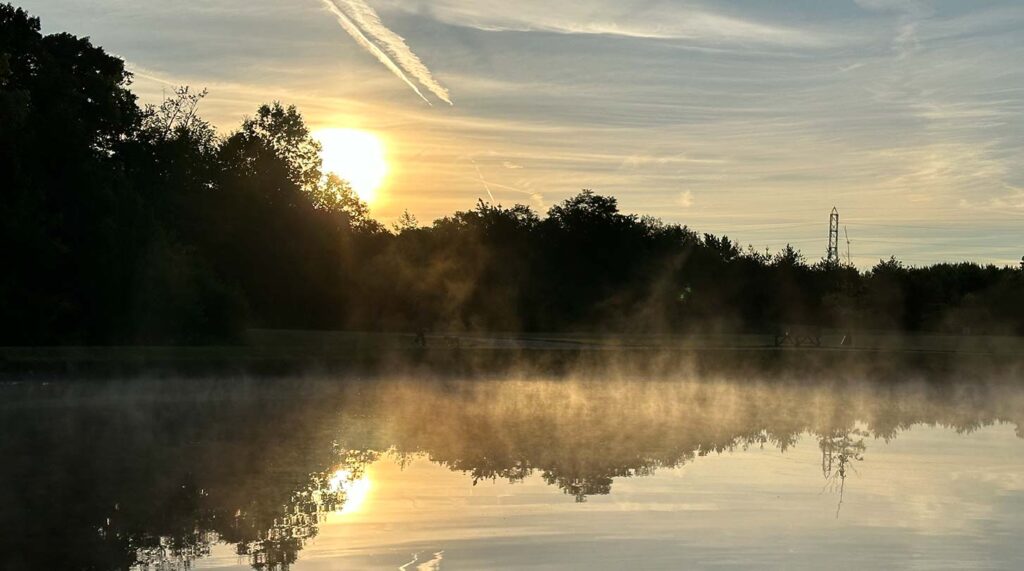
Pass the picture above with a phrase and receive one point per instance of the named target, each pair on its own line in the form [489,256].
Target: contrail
[368,20]
[364,19]
[487,187]
[362,40]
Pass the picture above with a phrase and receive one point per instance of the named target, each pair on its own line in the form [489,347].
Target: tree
[789,257]
[144,225]
[405,222]
[282,131]
[586,210]
[177,114]
[66,201]
[335,196]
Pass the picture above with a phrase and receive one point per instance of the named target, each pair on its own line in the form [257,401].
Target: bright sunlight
[355,489]
[356,156]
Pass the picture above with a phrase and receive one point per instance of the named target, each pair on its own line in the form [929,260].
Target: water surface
[612,473]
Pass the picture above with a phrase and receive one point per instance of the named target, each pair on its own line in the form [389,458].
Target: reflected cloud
[261,466]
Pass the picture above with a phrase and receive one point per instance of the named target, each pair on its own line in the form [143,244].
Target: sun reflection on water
[355,489]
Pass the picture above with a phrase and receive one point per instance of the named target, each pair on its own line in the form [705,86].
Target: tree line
[125,223]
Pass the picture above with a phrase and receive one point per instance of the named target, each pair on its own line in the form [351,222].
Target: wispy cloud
[898,111]
[364,25]
[686,199]
[631,19]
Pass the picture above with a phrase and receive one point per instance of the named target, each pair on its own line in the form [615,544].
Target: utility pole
[833,237]
[849,261]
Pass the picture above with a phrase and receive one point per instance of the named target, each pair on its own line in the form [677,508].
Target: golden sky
[733,117]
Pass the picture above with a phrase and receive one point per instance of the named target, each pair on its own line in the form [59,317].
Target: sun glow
[355,489]
[356,156]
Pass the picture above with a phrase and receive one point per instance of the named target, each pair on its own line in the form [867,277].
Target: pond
[528,472]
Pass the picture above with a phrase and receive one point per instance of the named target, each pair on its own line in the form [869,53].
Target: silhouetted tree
[124,224]
[70,216]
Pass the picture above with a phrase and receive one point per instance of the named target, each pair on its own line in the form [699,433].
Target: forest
[125,223]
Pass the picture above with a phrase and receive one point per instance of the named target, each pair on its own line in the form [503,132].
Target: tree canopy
[132,224]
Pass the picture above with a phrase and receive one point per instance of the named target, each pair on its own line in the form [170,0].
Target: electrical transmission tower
[833,237]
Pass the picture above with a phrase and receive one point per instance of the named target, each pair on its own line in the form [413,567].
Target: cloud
[364,25]
[632,19]
[767,139]
[911,13]
[898,6]
[686,199]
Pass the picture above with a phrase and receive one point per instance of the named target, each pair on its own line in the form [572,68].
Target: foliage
[406,221]
[129,225]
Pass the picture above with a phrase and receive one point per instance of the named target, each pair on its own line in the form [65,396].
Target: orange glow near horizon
[356,156]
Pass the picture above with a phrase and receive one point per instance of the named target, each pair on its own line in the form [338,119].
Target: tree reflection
[154,474]
[839,450]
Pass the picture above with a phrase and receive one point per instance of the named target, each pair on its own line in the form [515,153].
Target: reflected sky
[451,474]
[931,499]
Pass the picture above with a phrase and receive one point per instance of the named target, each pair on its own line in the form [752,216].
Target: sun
[355,489]
[356,156]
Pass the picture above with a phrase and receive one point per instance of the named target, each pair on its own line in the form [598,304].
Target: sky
[746,118]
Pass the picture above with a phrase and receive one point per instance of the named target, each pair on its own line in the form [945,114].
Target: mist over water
[215,354]
[508,472]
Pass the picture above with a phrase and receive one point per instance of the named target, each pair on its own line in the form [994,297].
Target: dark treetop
[123,224]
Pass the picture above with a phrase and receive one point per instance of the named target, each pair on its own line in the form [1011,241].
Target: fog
[108,474]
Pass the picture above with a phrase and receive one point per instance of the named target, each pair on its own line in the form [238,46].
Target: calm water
[414,474]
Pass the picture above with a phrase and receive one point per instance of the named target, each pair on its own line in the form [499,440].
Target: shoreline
[361,354]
